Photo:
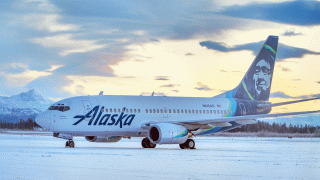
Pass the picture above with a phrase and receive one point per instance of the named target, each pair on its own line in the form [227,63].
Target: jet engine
[103,139]
[166,133]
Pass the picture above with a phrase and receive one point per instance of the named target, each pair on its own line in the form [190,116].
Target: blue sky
[181,48]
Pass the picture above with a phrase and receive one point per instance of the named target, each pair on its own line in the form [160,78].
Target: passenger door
[87,106]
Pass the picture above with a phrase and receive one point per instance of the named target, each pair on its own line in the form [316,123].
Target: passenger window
[161,111]
[207,111]
[110,110]
[221,112]
[106,110]
[174,111]
[192,111]
[178,111]
[102,110]
[165,111]
[150,110]
[169,110]
[196,111]
[157,110]
[200,111]
[127,110]
[119,110]
[217,111]
[214,111]
[130,110]
[189,111]
[115,110]
[138,110]
[225,112]
[135,111]
[154,111]
[123,110]
[146,110]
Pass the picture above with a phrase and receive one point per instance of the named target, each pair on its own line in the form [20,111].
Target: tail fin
[256,84]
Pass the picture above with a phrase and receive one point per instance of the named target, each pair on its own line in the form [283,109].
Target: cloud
[19,74]
[51,86]
[283,95]
[170,85]
[189,54]
[304,13]
[202,87]
[291,33]
[48,22]
[67,44]
[283,52]
[162,78]
[280,95]
[286,69]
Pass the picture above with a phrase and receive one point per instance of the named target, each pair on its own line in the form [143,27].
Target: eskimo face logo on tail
[106,119]
[262,76]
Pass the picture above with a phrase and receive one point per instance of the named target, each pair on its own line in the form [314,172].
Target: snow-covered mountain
[22,106]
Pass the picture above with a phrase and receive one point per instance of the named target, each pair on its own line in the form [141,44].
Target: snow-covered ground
[44,157]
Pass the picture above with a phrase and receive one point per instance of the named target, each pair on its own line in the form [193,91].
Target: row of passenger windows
[178,111]
[185,111]
[118,110]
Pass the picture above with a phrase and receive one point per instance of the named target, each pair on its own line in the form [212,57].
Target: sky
[180,48]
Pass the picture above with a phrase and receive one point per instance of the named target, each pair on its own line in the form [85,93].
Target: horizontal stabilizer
[269,105]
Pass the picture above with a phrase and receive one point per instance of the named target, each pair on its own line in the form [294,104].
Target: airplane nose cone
[43,120]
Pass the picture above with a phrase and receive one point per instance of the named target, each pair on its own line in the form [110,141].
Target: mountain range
[22,106]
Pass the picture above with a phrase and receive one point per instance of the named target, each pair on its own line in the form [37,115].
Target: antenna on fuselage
[152,93]
[101,93]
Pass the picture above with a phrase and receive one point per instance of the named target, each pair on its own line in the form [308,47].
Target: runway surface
[35,156]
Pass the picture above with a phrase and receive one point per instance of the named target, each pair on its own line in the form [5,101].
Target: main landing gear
[189,144]
[70,143]
[146,143]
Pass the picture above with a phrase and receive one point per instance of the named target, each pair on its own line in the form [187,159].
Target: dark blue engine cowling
[248,107]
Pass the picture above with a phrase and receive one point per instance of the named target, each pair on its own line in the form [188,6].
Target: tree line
[277,128]
[29,124]
[258,127]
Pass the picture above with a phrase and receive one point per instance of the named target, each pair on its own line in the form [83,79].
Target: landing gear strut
[146,143]
[189,144]
[70,143]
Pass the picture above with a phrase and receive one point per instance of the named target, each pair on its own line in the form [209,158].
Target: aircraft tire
[67,144]
[71,143]
[146,143]
[182,146]
[189,144]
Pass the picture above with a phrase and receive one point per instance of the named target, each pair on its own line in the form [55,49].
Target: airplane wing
[224,121]
[243,118]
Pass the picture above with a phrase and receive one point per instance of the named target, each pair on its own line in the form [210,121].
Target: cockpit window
[59,108]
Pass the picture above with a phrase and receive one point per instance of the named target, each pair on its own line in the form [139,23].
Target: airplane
[168,120]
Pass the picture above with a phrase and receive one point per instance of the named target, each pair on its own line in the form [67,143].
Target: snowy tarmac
[24,156]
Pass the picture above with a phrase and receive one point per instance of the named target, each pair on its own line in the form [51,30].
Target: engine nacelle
[103,139]
[166,133]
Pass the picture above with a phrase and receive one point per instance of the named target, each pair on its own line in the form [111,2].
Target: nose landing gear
[70,143]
